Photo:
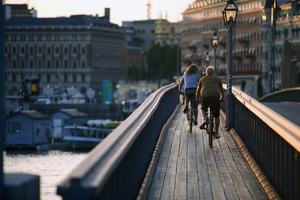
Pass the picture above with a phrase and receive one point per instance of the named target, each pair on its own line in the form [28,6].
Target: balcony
[244,41]
[249,56]
[237,57]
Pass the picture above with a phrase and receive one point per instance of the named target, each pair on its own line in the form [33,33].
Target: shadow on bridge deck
[185,167]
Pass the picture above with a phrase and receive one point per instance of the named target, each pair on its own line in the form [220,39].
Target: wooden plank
[189,169]
[180,185]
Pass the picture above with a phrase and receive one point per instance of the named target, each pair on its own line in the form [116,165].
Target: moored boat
[83,137]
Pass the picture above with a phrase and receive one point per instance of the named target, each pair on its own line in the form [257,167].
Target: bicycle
[190,115]
[209,126]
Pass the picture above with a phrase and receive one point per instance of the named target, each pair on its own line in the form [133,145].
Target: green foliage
[162,61]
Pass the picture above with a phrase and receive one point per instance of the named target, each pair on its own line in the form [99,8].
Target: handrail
[92,174]
[285,128]
[122,159]
[272,140]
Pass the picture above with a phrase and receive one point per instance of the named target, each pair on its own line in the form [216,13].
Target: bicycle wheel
[190,121]
[211,128]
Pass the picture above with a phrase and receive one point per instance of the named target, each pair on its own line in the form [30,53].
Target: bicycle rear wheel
[211,128]
[190,118]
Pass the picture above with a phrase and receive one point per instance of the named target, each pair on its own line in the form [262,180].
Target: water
[52,166]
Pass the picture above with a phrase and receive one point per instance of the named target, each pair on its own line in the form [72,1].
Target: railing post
[2,108]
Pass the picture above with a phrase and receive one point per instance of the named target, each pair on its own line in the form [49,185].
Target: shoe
[195,123]
[202,126]
[217,136]
[184,110]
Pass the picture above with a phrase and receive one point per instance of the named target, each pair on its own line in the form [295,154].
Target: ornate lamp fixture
[229,13]
[214,40]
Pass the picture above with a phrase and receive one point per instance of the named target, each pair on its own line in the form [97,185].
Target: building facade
[287,45]
[135,53]
[256,63]
[79,52]
[167,33]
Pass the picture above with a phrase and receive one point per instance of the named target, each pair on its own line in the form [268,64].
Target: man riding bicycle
[189,82]
[211,92]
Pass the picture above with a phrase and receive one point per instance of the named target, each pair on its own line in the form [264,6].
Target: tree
[162,61]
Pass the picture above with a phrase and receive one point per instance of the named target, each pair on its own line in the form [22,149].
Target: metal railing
[116,168]
[273,141]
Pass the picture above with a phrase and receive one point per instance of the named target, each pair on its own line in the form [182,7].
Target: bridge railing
[273,141]
[116,168]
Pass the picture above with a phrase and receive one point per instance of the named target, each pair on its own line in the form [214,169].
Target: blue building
[67,117]
[27,129]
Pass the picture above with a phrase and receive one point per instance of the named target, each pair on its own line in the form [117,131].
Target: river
[52,166]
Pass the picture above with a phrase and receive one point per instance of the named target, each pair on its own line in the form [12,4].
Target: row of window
[247,38]
[204,13]
[48,63]
[243,67]
[43,49]
[51,77]
[16,127]
[254,66]
[287,32]
[45,37]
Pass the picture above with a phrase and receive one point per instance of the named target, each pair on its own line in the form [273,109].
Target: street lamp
[229,16]
[214,43]
[206,60]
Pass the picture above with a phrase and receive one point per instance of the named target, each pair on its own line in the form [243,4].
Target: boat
[83,137]
[111,124]
[104,123]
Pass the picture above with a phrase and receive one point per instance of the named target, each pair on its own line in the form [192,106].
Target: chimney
[107,13]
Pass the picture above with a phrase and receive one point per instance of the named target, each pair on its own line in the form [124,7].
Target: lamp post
[229,17]
[206,59]
[214,43]
[273,28]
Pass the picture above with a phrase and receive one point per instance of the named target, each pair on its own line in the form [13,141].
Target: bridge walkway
[185,167]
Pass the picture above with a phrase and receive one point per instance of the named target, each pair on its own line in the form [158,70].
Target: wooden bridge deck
[185,167]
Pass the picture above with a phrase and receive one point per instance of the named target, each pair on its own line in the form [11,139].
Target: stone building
[78,51]
[167,33]
[257,44]
[134,62]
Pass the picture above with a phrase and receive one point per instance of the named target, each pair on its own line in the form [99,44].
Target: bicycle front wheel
[190,121]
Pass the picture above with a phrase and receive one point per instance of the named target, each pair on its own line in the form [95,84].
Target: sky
[120,10]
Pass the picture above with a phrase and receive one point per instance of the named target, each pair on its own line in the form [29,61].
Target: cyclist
[210,91]
[189,82]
